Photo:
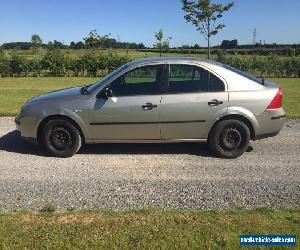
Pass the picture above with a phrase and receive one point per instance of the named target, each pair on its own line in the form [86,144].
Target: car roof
[172,59]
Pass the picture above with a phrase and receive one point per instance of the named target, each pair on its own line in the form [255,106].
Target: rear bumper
[278,117]
[270,123]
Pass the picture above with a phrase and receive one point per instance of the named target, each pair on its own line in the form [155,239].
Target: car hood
[59,94]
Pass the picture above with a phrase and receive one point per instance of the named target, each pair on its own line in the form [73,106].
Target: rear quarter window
[244,74]
[215,84]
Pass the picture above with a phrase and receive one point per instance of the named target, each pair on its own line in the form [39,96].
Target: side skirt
[145,141]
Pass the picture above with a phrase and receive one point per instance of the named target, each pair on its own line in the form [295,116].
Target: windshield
[242,73]
[97,84]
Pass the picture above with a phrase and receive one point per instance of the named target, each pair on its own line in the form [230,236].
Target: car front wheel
[229,138]
[61,138]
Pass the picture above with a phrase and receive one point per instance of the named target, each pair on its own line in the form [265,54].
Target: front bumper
[27,128]
[18,123]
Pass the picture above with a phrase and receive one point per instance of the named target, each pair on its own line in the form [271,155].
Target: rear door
[133,111]
[194,98]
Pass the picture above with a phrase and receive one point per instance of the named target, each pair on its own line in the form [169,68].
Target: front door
[193,100]
[132,113]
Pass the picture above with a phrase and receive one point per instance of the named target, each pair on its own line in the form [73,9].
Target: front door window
[140,81]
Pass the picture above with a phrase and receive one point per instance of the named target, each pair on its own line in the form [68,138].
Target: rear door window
[189,78]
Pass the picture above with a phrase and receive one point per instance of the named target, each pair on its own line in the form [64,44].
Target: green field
[73,53]
[291,95]
[142,229]
[15,91]
[79,52]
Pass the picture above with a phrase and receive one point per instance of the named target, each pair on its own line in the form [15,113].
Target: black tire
[229,138]
[61,138]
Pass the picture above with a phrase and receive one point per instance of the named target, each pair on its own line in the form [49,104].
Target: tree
[58,45]
[94,40]
[50,45]
[160,43]
[141,46]
[36,39]
[204,14]
[79,45]
[72,45]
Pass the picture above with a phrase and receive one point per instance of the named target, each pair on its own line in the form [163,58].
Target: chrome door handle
[148,106]
[215,102]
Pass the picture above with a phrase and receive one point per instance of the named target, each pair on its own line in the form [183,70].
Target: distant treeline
[107,43]
[230,46]
[259,51]
[56,63]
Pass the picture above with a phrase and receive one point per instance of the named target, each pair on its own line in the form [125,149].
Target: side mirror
[105,93]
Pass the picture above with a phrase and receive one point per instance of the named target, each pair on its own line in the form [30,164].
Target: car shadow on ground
[12,142]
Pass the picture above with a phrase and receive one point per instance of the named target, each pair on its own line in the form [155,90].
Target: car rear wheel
[61,138]
[229,138]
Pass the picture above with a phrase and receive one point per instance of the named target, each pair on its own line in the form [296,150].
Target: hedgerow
[56,63]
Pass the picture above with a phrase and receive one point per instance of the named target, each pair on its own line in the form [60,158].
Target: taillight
[276,103]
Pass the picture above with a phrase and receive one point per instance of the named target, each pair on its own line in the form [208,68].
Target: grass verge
[143,229]
[15,91]
[291,95]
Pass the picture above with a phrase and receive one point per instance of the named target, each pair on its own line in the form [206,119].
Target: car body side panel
[254,101]
[253,106]
[77,110]
[124,118]
[186,116]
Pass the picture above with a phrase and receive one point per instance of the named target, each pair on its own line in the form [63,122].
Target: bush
[4,65]
[54,63]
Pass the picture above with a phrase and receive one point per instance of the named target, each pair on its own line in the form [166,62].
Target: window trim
[193,92]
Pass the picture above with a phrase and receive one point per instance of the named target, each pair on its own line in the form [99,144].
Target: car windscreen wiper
[84,89]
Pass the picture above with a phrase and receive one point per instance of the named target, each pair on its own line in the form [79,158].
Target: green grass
[142,229]
[15,91]
[291,95]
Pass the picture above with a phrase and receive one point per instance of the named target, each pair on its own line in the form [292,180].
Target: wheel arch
[238,117]
[57,116]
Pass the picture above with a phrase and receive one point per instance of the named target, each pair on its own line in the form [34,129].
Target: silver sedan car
[158,100]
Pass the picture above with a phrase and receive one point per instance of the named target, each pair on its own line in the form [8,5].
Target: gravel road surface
[150,175]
